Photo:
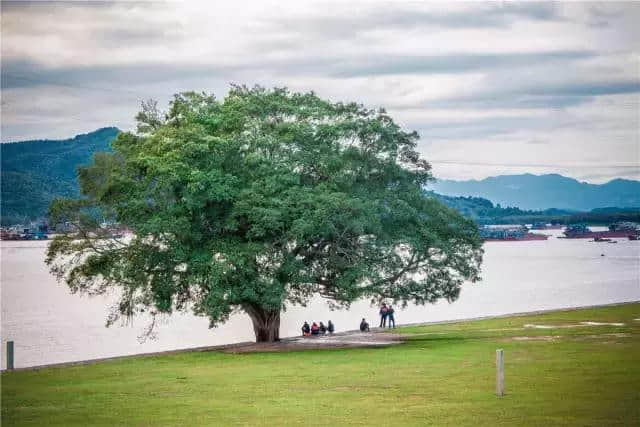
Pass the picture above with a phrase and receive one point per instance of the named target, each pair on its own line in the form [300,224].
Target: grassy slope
[444,375]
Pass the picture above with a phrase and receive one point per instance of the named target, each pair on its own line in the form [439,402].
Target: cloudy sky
[492,87]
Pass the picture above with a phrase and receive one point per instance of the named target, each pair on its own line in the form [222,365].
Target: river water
[50,325]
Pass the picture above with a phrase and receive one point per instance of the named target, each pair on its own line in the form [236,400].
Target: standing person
[364,326]
[330,327]
[383,315]
[390,317]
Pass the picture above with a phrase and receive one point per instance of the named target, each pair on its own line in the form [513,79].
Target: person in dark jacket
[364,326]
[323,329]
[383,315]
[306,330]
[390,317]
[315,330]
[330,327]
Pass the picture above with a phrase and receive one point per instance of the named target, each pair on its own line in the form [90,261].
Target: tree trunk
[266,323]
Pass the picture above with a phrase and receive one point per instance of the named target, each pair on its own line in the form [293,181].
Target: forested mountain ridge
[483,211]
[35,172]
[538,192]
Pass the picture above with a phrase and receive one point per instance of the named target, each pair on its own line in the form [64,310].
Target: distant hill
[536,192]
[483,211]
[35,172]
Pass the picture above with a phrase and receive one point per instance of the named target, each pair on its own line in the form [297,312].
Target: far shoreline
[227,347]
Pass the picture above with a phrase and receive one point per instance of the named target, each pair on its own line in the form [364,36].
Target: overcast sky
[492,87]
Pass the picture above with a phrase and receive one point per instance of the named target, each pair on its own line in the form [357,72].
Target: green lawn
[443,375]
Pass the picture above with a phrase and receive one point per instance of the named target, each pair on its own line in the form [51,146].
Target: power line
[132,95]
[138,95]
[540,165]
[141,96]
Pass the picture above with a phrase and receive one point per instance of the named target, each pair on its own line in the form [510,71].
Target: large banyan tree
[263,199]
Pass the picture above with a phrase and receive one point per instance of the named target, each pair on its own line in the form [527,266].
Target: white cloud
[487,84]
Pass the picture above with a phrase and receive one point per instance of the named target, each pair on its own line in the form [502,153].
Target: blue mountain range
[536,192]
[35,172]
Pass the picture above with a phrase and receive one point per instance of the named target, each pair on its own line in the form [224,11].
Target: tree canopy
[261,200]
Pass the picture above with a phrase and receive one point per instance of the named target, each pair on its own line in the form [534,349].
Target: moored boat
[508,233]
[621,230]
[34,232]
[545,226]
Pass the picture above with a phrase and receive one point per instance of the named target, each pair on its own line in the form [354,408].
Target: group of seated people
[316,329]
[321,329]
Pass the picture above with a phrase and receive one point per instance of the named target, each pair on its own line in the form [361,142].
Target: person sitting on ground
[306,330]
[364,326]
[315,329]
[383,315]
[323,329]
[390,317]
[330,327]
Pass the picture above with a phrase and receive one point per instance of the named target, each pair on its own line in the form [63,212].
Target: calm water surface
[50,325]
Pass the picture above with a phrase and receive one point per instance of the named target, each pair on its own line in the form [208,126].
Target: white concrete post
[499,372]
